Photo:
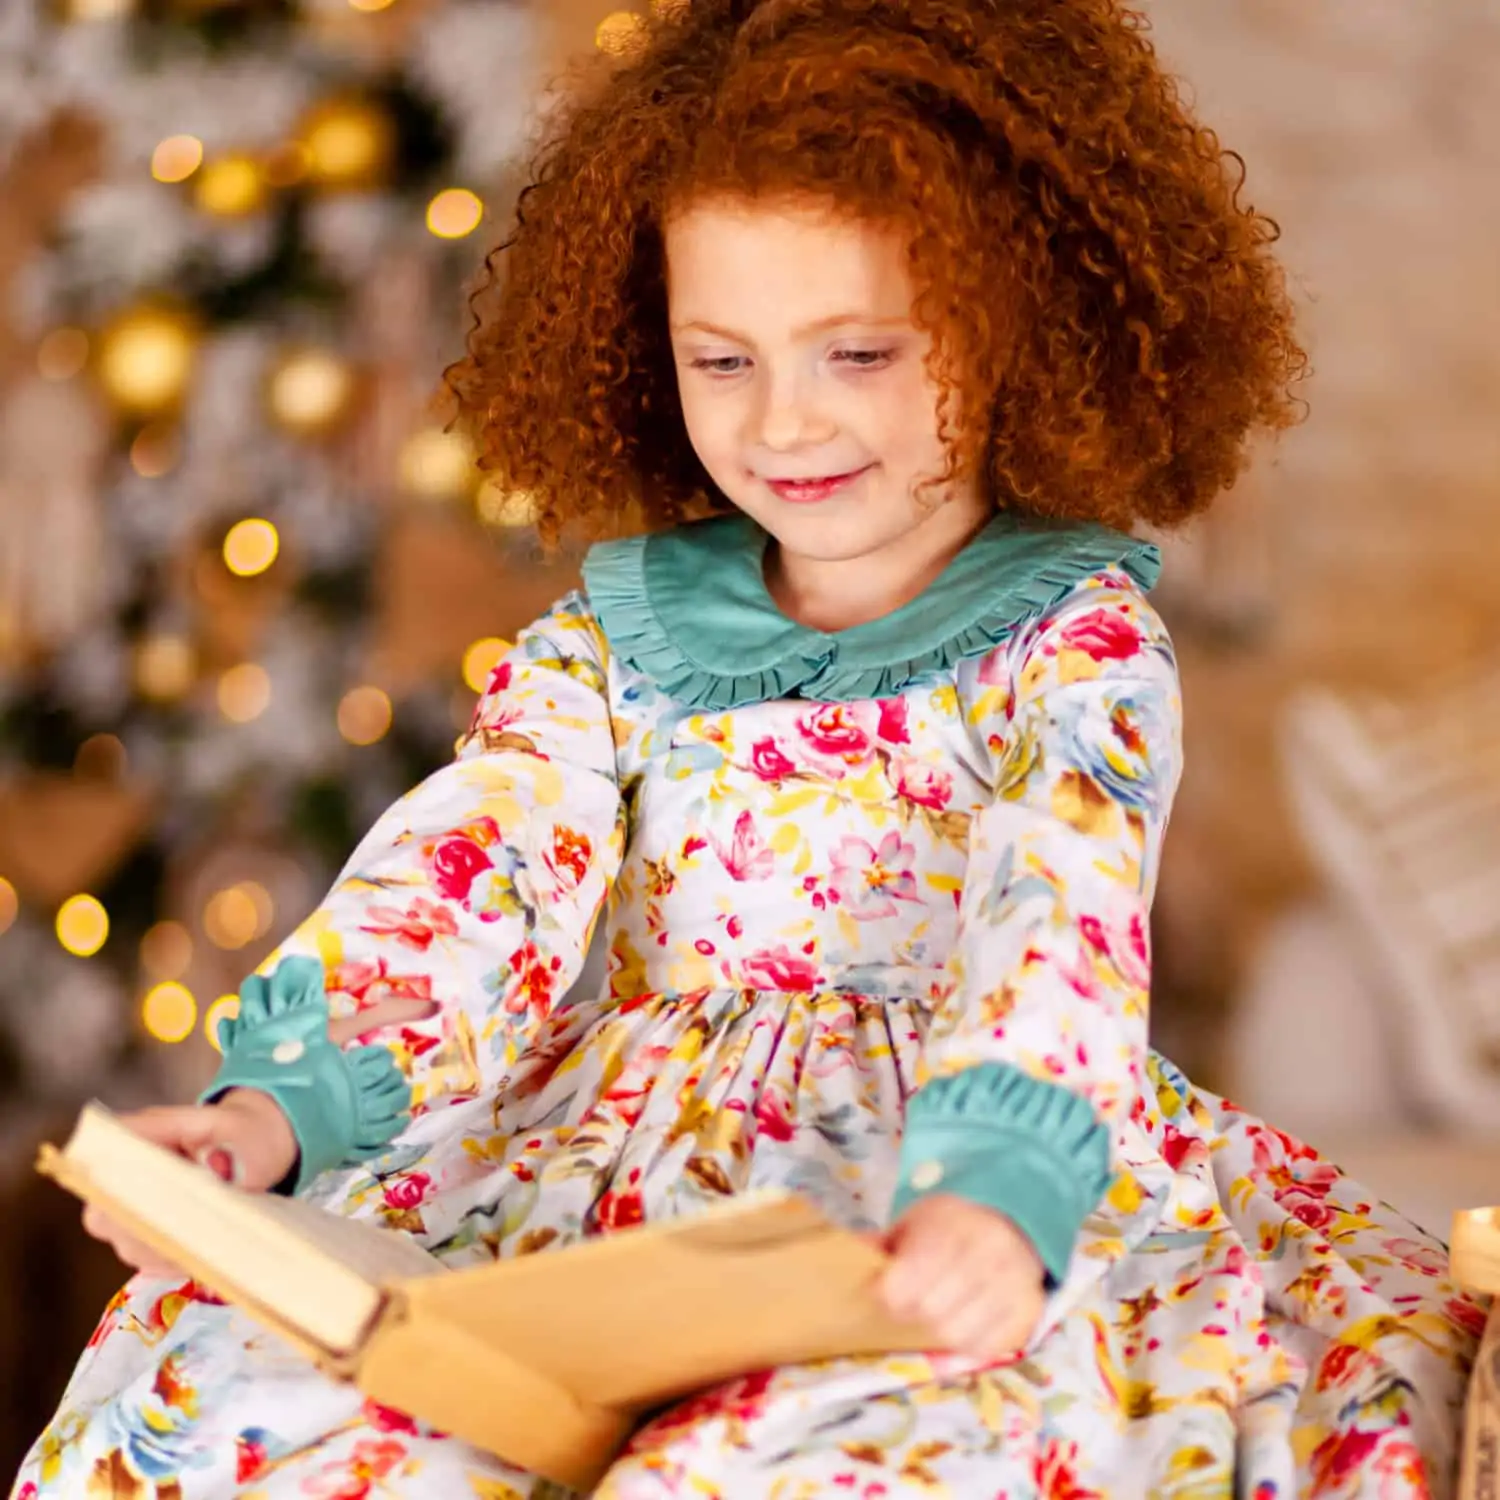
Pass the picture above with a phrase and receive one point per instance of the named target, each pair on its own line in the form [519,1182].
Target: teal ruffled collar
[689,608]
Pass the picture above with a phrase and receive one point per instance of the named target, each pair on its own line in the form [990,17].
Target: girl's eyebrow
[822,325]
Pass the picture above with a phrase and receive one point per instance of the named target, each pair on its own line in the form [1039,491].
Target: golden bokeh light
[364,715]
[146,359]
[310,391]
[167,951]
[437,465]
[99,10]
[231,919]
[231,187]
[169,1011]
[165,667]
[619,32]
[244,692]
[454,213]
[156,450]
[502,507]
[369,7]
[10,904]
[101,757]
[346,143]
[226,1006]
[177,158]
[481,659]
[62,353]
[250,547]
[82,926]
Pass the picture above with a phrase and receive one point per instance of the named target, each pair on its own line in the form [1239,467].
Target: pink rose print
[871,881]
[779,968]
[1296,1178]
[925,785]
[536,977]
[839,734]
[1103,634]
[772,1117]
[768,761]
[893,722]
[746,856]
[456,864]
[1127,946]
[500,679]
[407,1192]
[416,927]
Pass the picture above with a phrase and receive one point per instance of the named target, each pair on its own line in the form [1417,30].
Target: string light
[501,507]
[619,32]
[244,692]
[169,1011]
[231,187]
[346,142]
[230,918]
[82,926]
[250,547]
[226,1006]
[165,666]
[62,354]
[310,391]
[167,951]
[454,213]
[10,904]
[436,465]
[369,7]
[364,715]
[481,659]
[177,158]
[146,359]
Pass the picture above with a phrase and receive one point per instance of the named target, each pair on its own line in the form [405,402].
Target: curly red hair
[1110,324]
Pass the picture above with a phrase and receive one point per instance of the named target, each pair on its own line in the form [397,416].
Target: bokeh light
[169,1011]
[244,692]
[250,547]
[82,925]
[167,951]
[364,715]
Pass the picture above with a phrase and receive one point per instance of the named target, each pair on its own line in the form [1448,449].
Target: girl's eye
[865,359]
[725,364]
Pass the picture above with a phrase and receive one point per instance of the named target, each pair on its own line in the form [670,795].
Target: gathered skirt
[1241,1319]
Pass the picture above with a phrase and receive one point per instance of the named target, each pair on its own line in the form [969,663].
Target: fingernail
[222,1162]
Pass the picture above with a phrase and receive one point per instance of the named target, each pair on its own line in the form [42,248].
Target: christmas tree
[250,579]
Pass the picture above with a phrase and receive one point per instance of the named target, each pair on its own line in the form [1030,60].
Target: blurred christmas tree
[248,582]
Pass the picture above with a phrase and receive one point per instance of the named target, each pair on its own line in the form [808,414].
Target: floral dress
[874,909]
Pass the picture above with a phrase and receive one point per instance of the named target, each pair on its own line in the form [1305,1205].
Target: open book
[547,1360]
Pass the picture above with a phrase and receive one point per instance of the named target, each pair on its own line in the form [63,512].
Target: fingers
[975,1299]
[135,1254]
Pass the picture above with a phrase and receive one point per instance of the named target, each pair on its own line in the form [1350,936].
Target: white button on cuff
[288,1051]
[926,1175]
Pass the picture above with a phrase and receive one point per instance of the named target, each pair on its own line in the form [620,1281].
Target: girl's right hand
[243,1138]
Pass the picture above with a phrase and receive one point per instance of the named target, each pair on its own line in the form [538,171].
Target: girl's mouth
[811,491]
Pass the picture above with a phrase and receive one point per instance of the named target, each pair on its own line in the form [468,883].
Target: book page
[317,1273]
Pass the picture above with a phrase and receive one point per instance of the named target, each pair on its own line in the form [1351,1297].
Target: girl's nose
[791,418]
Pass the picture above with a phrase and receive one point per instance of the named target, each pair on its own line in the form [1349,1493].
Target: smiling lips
[811,491]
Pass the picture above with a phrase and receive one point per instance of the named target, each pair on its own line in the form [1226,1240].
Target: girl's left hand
[968,1273]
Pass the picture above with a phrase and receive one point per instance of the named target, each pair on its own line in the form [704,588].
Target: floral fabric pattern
[806,910]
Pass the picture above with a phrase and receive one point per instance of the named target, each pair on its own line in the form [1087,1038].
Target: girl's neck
[838,594]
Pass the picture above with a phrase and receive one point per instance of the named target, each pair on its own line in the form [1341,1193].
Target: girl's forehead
[790,253]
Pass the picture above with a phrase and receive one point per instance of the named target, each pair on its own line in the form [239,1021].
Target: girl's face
[804,380]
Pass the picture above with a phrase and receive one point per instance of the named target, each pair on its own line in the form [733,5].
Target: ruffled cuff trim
[1025,1147]
[343,1106]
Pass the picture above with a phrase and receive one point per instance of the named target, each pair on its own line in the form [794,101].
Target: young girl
[922,304]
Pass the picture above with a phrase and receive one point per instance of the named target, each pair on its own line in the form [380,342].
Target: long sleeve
[1035,1057]
[466,909]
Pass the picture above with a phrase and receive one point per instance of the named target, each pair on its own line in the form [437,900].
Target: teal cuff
[1024,1147]
[343,1107]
